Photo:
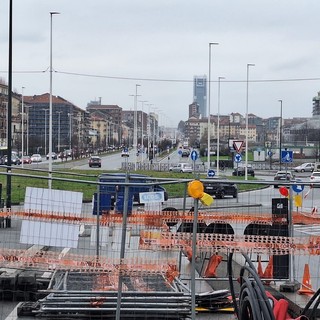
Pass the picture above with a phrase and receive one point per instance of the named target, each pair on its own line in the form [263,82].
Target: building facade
[70,124]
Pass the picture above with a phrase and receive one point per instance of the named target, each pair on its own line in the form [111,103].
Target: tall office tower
[200,93]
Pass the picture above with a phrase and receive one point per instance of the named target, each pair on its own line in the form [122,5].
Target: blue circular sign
[211,173]
[297,188]
[270,153]
[180,152]
[237,157]
[194,155]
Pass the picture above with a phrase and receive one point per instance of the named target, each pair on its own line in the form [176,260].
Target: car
[26,160]
[14,159]
[36,157]
[95,161]
[220,189]
[284,176]
[181,167]
[305,167]
[124,153]
[240,171]
[315,177]
[53,155]
[185,153]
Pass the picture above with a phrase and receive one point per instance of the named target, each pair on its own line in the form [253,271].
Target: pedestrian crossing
[312,230]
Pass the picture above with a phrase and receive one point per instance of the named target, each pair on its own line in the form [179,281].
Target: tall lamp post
[45,131]
[218,139]
[280,133]
[50,105]
[247,122]
[209,103]
[135,129]
[142,107]
[22,126]
[59,125]
[9,109]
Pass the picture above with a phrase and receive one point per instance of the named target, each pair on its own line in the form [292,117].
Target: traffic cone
[212,266]
[259,268]
[306,287]
[268,272]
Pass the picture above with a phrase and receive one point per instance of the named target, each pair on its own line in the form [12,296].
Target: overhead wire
[101,76]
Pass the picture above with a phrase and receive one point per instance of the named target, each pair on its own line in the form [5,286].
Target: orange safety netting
[49,260]
[276,245]
[158,219]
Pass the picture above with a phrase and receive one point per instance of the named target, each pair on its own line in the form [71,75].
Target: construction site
[187,256]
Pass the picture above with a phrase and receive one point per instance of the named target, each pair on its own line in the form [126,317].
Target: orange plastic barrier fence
[274,245]
[158,219]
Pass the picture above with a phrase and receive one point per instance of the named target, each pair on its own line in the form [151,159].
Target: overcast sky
[104,48]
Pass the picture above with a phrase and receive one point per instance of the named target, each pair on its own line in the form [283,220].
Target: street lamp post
[27,153]
[45,131]
[218,133]
[50,105]
[142,106]
[70,131]
[209,102]
[22,126]
[59,125]
[135,129]
[148,130]
[280,133]
[247,122]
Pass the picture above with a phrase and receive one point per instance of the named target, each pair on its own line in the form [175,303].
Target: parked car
[241,171]
[220,189]
[305,167]
[53,155]
[14,160]
[36,157]
[95,161]
[26,160]
[287,176]
[181,167]
[315,177]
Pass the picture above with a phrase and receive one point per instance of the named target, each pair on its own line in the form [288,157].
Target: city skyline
[104,49]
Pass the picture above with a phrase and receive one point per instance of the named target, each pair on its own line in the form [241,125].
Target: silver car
[304,167]
[181,167]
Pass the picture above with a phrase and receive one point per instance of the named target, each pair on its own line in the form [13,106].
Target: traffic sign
[286,156]
[211,173]
[237,158]
[237,145]
[297,188]
[150,197]
[179,152]
[194,155]
[270,153]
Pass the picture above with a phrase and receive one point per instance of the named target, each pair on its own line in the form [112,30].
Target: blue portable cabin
[112,193]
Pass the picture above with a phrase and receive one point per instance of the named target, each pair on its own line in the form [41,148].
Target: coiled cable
[253,302]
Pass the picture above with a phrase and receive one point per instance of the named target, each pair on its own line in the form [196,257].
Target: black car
[185,153]
[240,171]
[220,189]
[95,161]
[14,160]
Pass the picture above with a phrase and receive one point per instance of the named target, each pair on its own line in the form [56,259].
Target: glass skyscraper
[200,93]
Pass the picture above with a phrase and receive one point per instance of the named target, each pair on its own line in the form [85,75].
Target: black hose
[305,311]
[253,301]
